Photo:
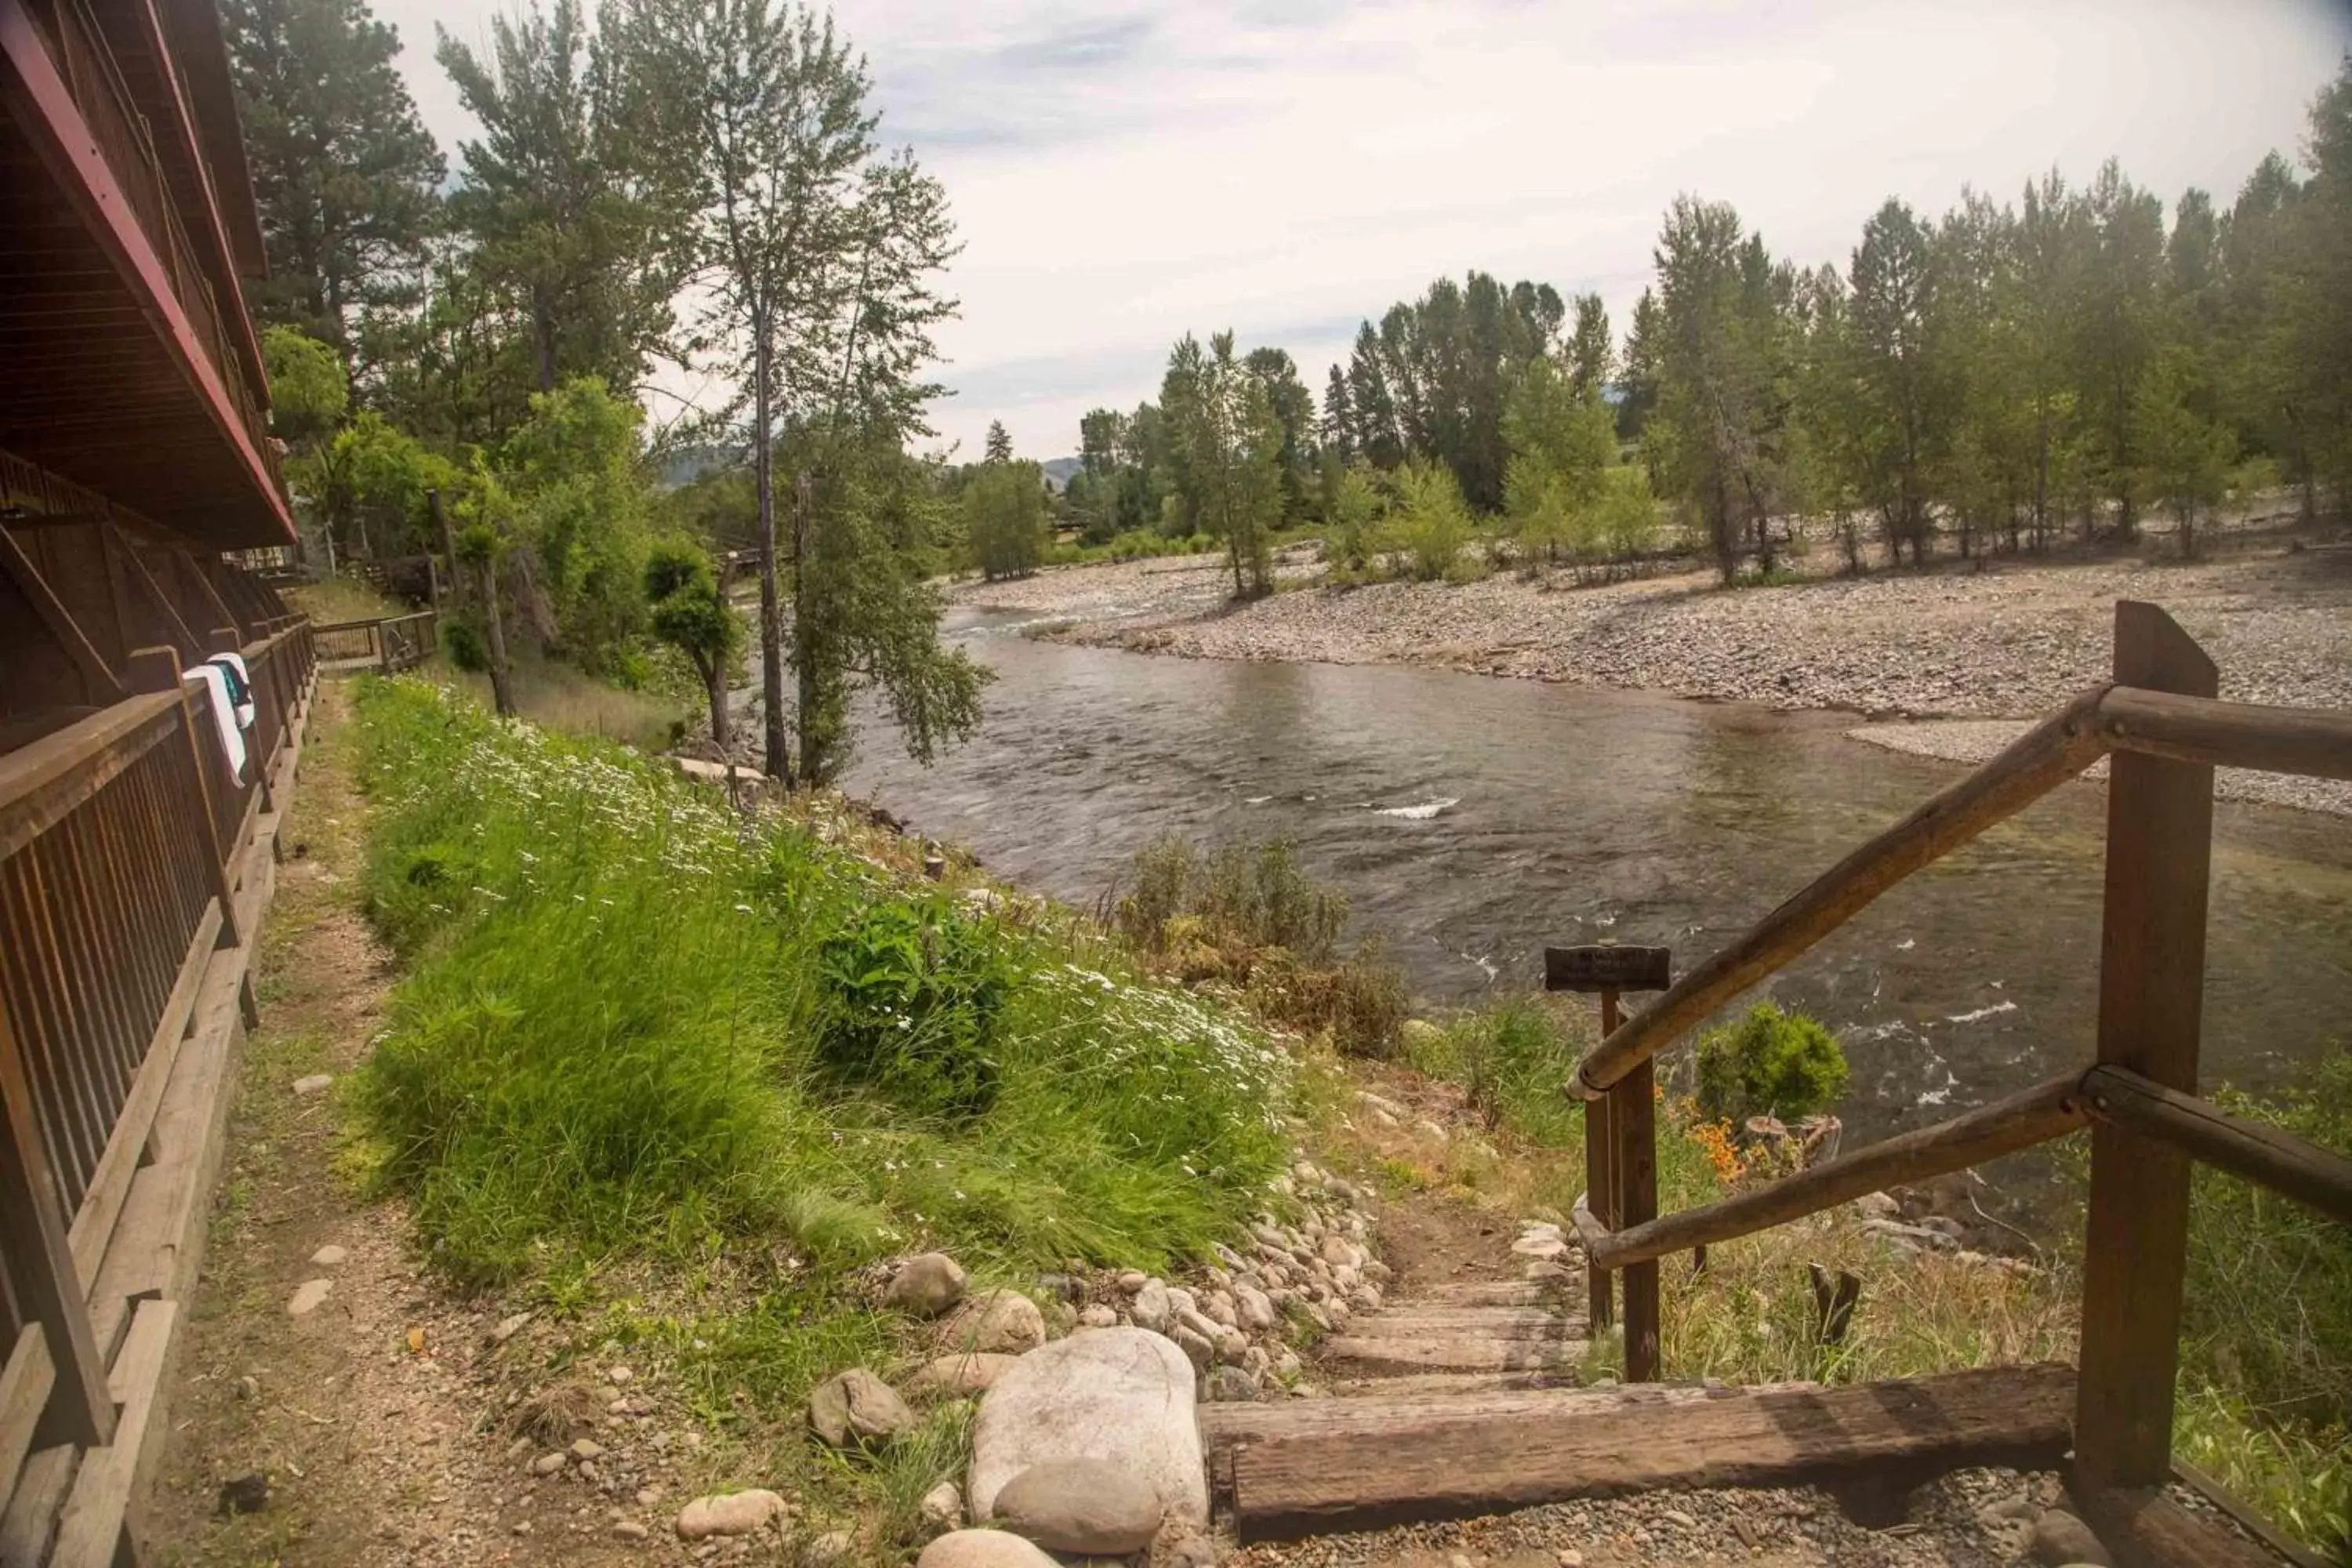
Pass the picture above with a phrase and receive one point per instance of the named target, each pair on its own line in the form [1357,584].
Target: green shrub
[916,988]
[463,641]
[1770,1063]
[1431,523]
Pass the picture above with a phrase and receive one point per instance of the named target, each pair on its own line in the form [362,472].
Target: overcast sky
[1122,173]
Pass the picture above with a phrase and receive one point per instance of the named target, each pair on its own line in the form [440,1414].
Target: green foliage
[1228,454]
[2266,1331]
[465,643]
[1004,518]
[689,612]
[308,389]
[1246,914]
[571,476]
[343,171]
[1429,522]
[915,989]
[1770,1063]
[626,1028]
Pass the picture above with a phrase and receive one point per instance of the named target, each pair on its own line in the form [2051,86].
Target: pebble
[308,1296]
[587,1448]
[329,1256]
[547,1464]
[316,1083]
[729,1513]
[629,1530]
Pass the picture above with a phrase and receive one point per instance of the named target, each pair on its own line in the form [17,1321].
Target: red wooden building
[152,697]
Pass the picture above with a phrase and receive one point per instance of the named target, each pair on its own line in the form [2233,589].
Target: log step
[1436,1458]
[1460,1351]
[1417,1321]
[1495,1292]
[1451,1383]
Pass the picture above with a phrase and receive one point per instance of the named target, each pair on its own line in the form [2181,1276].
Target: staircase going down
[1462,1398]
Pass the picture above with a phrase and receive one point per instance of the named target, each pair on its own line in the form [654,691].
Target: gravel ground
[1967,1519]
[2012,640]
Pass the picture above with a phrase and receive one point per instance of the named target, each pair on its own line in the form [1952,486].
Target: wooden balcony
[132,367]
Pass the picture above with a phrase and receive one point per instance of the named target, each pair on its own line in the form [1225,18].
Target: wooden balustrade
[2166,730]
[133,867]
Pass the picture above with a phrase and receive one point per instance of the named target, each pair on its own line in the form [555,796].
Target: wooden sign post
[1621,1155]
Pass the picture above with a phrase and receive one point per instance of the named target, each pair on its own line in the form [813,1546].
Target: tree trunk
[778,761]
[714,682]
[501,688]
[809,693]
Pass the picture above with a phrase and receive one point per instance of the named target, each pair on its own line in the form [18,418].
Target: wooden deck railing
[393,642]
[2166,732]
[133,868]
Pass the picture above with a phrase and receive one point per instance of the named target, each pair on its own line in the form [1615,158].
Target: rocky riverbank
[2010,641]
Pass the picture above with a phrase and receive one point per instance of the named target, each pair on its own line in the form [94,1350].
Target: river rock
[959,1376]
[983,1548]
[729,1513]
[1254,1308]
[1003,1322]
[1099,1315]
[2061,1540]
[926,1285]
[855,1408]
[1151,1308]
[1120,1394]
[942,1506]
[1229,1385]
[1091,1507]
[1198,1348]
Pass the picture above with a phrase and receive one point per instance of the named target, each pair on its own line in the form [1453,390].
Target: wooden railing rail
[2166,729]
[127,885]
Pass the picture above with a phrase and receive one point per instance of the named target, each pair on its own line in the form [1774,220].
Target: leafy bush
[1770,1063]
[916,988]
[463,641]
[1431,523]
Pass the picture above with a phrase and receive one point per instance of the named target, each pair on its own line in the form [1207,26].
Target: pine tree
[560,212]
[1000,444]
[1591,361]
[343,171]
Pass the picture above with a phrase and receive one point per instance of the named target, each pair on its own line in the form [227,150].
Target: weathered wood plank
[2316,743]
[2253,1523]
[1494,1292]
[1463,1352]
[2151,995]
[1429,1411]
[25,1385]
[2005,1126]
[2303,1171]
[98,1509]
[31,1518]
[2045,757]
[41,783]
[110,1182]
[2145,1529]
[1350,1481]
[1414,1321]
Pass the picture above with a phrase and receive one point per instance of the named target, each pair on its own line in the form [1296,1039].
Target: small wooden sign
[1607,967]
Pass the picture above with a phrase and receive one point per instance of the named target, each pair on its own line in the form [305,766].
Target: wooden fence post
[1633,1116]
[40,1262]
[1601,1197]
[2151,990]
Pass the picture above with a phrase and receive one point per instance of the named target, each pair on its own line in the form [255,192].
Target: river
[1470,821]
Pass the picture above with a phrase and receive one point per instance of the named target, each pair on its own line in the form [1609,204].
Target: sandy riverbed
[2011,641]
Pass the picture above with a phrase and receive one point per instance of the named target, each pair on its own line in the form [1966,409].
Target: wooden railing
[2164,730]
[393,642]
[133,866]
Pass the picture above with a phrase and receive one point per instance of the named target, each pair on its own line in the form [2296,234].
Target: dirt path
[371,1420]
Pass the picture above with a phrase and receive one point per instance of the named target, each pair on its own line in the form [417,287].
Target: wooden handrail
[2280,1161]
[2053,751]
[2310,741]
[2045,1111]
[42,782]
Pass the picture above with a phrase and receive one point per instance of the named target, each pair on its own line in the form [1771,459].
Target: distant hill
[1059,469]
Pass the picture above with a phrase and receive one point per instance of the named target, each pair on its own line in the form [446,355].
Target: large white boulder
[1120,1394]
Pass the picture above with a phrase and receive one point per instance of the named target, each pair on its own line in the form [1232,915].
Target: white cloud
[1122,173]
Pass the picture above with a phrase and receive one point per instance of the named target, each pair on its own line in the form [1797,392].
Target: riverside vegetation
[678,1077]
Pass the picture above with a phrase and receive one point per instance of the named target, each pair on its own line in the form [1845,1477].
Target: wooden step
[1461,1351]
[1494,1292]
[1347,1466]
[1487,1323]
[1387,1384]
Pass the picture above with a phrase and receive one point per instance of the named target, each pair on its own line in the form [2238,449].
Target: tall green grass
[626,1014]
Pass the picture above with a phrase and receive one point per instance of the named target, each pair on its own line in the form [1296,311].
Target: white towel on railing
[232,735]
[240,686]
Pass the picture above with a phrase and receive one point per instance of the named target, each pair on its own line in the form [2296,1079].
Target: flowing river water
[1470,821]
